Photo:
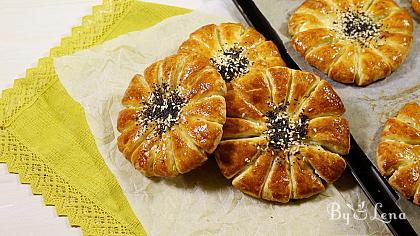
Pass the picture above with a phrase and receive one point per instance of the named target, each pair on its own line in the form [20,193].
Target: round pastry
[416,5]
[398,153]
[352,41]
[283,136]
[233,49]
[173,116]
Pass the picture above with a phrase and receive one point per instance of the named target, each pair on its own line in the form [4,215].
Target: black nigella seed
[357,26]
[231,63]
[282,132]
[161,109]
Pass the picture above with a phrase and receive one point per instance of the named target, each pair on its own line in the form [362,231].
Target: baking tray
[375,187]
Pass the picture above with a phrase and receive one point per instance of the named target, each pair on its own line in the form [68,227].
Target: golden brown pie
[233,49]
[416,5]
[352,41]
[173,115]
[283,135]
[398,153]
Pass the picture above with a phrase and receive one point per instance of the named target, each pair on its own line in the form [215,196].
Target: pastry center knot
[231,62]
[161,110]
[357,26]
[283,132]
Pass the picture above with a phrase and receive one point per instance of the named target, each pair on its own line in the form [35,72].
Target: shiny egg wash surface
[356,26]
[231,62]
[161,110]
[282,132]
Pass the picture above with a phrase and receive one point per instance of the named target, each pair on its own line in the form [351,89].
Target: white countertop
[27,32]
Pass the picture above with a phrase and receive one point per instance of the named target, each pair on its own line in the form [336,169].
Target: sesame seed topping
[283,132]
[161,109]
[357,26]
[231,62]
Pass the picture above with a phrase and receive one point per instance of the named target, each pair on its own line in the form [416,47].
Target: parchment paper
[201,202]
[367,107]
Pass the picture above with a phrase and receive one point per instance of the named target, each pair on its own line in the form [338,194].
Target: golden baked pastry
[284,134]
[352,41]
[173,116]
[284,128]
[233,49]
[398,153]
[416,5]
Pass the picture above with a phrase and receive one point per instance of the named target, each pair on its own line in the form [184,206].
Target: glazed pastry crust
[416,5]
[398,153]
[210,40]
[316,35]
[276,174]
[198,129]
[270,174]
